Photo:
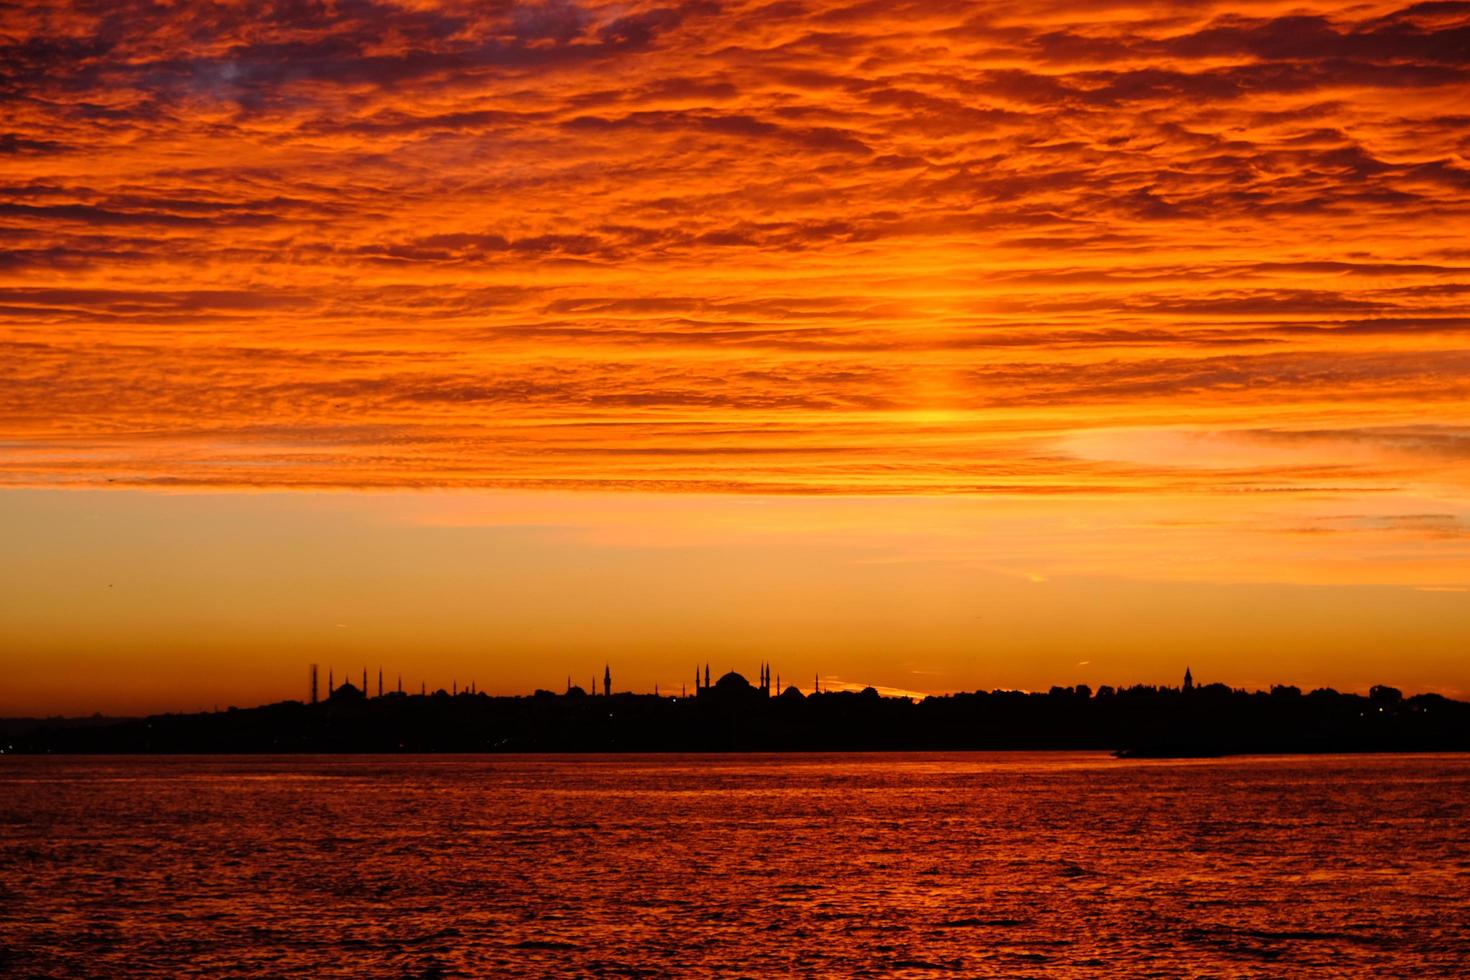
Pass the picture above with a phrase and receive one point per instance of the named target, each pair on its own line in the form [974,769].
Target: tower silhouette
[380,682]
[331,683]
[1188,680]
[706,673]
[606,680]
[313,683]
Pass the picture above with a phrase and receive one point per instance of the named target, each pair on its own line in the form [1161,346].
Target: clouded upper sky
[1098,301]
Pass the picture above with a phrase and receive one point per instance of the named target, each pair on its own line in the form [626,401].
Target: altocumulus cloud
[818,248]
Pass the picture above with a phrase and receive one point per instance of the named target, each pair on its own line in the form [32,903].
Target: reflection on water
[876,865]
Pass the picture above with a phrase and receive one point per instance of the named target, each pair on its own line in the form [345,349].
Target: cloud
[815,248]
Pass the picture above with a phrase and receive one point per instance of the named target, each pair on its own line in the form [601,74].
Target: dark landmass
[733,715]
[12,727]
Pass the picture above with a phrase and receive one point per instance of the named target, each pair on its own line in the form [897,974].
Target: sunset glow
[930,346]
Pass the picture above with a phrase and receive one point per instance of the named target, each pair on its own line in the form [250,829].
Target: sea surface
[976,865]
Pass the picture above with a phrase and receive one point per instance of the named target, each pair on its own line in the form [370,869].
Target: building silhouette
[732,714]
[347,693]
[732,688]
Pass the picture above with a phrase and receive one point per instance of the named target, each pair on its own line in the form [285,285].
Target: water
[1052,865]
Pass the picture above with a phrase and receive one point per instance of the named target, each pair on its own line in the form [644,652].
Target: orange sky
[923,345]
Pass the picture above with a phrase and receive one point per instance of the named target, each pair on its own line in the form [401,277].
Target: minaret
[400,683]
[569,683]
[331,683]
[313,683]
[364,682]
[683,691]
[696,678]
[380,682]
[816,684]
[1188,680]
[606,680]
[706,673]
[778,683]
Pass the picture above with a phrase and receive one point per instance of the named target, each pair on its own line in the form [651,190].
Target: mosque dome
[733,682]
